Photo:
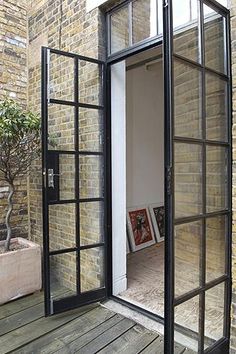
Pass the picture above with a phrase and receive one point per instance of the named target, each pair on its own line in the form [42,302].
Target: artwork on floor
[157,212]
[139,228]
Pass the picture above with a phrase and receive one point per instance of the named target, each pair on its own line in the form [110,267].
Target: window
[137,20]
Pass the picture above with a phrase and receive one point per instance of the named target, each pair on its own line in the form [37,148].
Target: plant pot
[20,270]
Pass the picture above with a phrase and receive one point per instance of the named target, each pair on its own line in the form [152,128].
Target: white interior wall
[118,155]
[137,133]
[145,135]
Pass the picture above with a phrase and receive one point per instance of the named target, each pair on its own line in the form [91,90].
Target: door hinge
[169,180]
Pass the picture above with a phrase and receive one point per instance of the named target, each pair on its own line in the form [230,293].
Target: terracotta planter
[20,271]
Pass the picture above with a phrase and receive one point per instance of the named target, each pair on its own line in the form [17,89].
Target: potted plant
[20,259]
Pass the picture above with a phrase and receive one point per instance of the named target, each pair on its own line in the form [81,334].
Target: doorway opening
[137,117]
[78,172]
[145,180]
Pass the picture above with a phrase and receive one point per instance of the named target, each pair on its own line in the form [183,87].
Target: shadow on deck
[90,329]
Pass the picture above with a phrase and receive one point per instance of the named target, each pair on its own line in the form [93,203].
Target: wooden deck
[91,329]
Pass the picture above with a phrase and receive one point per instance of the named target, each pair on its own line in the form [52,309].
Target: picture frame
[157,212]
[140,229]
[127,245]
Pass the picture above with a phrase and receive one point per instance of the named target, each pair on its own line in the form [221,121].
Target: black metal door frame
[222,346]
[78,300]
[81,298]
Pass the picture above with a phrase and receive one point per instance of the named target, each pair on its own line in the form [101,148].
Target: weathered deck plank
[157,347]
[132,342]
[56,340]
[20,319]
[25,315]
[23,335]
[18,305]
[107,337]
[72,347]
[89,330]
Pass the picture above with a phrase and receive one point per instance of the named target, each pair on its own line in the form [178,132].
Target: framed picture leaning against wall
[140,229]
[157,212]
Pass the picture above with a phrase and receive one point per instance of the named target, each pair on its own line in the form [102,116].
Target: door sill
[143,317]
[147,319]
[139,309]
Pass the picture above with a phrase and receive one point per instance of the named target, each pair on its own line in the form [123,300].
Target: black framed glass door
[198,177]
[74,193]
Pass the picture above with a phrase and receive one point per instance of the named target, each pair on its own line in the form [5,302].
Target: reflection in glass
[214,32]
[187,316]
[187,108]
[216,113]
[186,44]
[187,257]
[186,40]
[216,229]
[214,314]
[188,179]
[66,177]
[91,176]
[61,77]
[90,130]
[144,24]
[181,12]
[62,232]
[91,223]
[160,17]
[61,127]
[216,178]
[119,29]
[63,275]
[90,83]
[92,268]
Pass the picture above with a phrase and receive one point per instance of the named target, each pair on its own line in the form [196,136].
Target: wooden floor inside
[90,329]
[145,274]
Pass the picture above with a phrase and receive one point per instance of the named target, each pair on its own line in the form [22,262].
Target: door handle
[51,176]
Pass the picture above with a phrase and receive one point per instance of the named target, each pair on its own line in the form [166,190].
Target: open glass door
[73,126]
[197,176]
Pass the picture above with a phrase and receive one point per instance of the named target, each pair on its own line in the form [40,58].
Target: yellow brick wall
[68,27]
[13,83]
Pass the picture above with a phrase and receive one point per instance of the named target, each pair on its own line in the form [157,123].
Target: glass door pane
[119,28]
[74,184]
[198,182]
[131,23]
[186,40]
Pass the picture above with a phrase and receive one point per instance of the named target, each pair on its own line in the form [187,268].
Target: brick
[13,83]
[69,27]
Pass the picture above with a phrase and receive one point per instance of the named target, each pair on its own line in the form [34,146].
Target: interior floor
[145,274]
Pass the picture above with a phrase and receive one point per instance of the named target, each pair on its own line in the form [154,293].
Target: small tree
[19,146]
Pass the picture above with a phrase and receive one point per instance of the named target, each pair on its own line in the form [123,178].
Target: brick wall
[13,83]
[65,25]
